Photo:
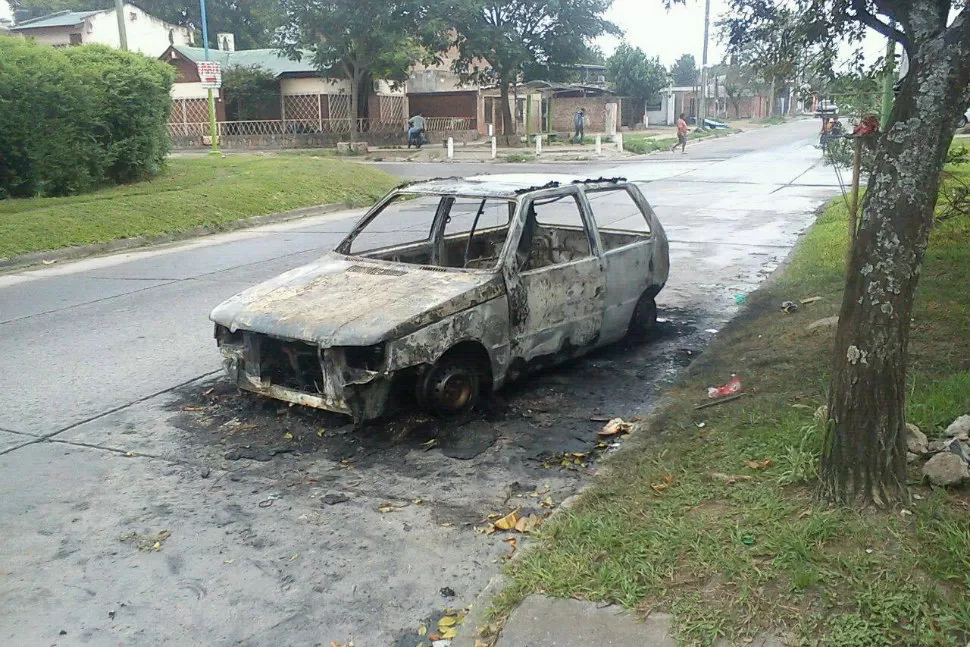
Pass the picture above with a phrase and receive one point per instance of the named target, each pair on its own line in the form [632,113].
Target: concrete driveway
[146,502]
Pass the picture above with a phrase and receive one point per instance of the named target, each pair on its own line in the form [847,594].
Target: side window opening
[553,234]
[618,217]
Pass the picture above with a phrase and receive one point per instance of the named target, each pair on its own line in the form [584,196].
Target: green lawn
[191,192]
[662,530]
[643,144]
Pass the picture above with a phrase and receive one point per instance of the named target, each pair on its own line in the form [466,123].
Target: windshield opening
[436,230]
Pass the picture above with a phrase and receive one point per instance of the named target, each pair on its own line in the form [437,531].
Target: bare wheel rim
[453,391]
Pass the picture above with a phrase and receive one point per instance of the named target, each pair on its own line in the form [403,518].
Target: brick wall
[463,103]
[563,109]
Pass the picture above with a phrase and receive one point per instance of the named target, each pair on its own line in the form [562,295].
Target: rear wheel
[452,387]
[644,318]
[962,122]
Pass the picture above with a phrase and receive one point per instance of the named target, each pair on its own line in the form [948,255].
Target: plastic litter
[739,299]
[731,388]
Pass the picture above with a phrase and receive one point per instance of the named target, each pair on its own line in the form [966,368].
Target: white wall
[313,86]
[146,34]
[189,91]
[57,36]
[6,13]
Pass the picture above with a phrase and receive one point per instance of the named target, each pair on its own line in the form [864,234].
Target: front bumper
[305,374]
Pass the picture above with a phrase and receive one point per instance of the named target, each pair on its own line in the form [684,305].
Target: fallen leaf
[208,391]
[386,507]
[508,521]
[615,427]
[446,621]
[547,502]
[666,480]
[157,546]
[228,561]
[431,443]
[288,436]
[527,524]
[423,630]
[759,465]
[417,501]
[494,516]
[294,557]
[193,409]
[449,633]
[321,432]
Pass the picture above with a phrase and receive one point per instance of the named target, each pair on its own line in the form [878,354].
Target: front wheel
[452,387]
[644,318]
[963,122]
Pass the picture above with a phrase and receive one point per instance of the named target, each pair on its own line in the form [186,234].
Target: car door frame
[532,336]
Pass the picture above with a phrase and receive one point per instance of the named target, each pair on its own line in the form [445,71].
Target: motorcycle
[416,138]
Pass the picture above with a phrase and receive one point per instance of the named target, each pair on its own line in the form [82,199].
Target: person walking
[579,121]
[681,134]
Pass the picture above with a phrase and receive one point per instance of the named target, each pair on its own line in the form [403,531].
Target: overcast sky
[668,34]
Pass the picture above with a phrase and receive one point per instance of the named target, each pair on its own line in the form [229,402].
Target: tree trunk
[864,453]
[771,98]
[354,93]
[508,120]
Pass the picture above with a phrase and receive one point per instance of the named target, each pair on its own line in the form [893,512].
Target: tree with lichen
[864,454]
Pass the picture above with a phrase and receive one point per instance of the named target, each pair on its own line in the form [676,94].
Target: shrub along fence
[74,119]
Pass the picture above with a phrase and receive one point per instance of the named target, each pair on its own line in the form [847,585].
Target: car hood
[344,301]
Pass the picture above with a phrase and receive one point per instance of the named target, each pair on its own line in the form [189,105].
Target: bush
[72,120]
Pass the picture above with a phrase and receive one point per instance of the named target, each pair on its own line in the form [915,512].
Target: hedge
[72,120]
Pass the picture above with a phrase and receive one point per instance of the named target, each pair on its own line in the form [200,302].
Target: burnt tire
[452,387]
[644,319]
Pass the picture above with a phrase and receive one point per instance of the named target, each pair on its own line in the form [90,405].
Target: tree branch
[862,15]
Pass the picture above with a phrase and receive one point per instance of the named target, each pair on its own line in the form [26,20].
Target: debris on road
[809,300]
[147,542]
[789,306]
[447,592]
[666,480]
[334,498]
[731,388]
[615,427]
[719,401]
[739,299]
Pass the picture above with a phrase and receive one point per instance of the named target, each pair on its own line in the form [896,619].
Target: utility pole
[703,102]
[212,102]
[887,81]
[122,30]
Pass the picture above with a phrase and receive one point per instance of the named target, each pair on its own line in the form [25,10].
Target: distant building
[146,34]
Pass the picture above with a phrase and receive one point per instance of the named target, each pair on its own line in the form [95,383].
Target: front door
[555,279]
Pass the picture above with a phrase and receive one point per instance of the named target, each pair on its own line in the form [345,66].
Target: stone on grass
[824,324]
[916,441]
[935,446]
[961,449]
[911,457]
[959,428]
[946,469]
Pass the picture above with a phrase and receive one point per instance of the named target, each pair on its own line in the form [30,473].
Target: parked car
[446,290]
[963,119]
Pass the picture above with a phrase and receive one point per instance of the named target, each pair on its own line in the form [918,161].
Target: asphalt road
[106,439]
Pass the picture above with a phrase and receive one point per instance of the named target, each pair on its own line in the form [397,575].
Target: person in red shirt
[681,134]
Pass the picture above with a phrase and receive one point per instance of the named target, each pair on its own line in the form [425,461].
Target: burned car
[446,290]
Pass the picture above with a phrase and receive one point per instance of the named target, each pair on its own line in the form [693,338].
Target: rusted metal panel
[338,333]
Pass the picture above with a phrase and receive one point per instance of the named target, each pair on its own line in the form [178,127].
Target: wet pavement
[146,501]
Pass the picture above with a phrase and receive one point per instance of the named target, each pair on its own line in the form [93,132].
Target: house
[145,33]
[304,100]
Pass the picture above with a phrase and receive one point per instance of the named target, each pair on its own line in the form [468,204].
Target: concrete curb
[22,261]
[479,610]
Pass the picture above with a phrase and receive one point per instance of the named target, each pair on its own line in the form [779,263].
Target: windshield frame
[436,229]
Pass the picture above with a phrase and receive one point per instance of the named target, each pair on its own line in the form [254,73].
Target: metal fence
[308,125]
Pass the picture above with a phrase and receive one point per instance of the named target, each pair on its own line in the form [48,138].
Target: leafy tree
[740,83]
[562,73]
[251,93]
[684,71]
[635,75]
[509,35]
[769,40]
[864,453]
[358,40]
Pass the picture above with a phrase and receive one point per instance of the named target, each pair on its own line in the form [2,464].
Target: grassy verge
[664,530]
[191,192]
[643,144]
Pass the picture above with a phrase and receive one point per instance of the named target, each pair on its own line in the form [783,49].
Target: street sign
[210,73]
